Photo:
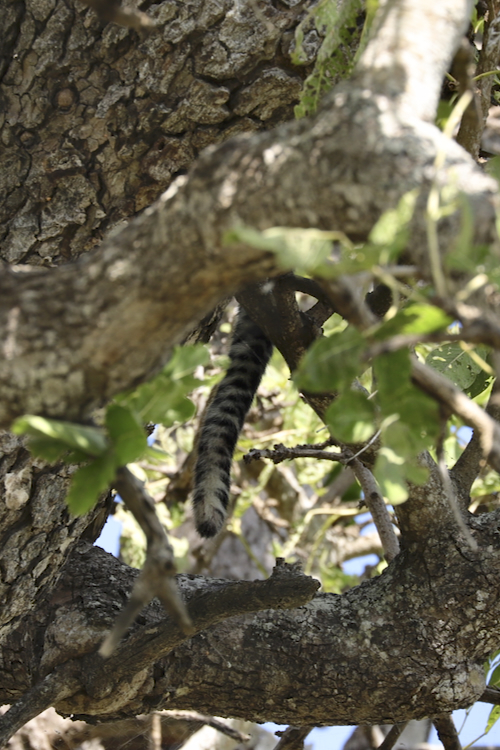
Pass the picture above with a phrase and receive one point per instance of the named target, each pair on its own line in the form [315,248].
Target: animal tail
[249,354]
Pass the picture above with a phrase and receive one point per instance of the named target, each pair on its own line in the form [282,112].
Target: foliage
[122,438]
[406,420]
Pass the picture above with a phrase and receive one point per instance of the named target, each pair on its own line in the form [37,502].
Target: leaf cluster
[122,439]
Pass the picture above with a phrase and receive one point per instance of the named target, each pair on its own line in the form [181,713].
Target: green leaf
[493,167]
[392,374]
[480,384]
[48,449]
[492,718]
[494,680]
[89,440]
[126,433]
[331,363]
[89,482]
[391,475]
[417,423]
[415,318]
[351,417]
[185,360]
[163,399]
[451,360]
[307,251]
[390,233]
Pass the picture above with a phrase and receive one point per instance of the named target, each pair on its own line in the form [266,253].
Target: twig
[378,509]
[392,737]
[55,687]
[443,390]
[447,732]
[210,721]
[155,733]
[281,453]
[292,738]
[405,340]
[479,326]
[373,497]
[157,575]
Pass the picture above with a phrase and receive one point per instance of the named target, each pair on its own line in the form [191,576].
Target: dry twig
[157,575]
[392,737]
[292,738]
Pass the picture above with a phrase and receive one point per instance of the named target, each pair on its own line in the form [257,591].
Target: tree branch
[377,507]
[157,575]
[124,331]
[293,738]
[447,732]
[286,588]
[442,389]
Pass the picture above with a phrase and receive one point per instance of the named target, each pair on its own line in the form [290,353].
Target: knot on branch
[295,588]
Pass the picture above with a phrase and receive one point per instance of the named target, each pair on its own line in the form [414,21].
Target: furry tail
[249,354]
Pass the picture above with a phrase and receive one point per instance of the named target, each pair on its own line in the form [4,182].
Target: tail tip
[207,529]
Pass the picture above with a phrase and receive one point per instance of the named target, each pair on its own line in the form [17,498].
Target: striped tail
[249,354]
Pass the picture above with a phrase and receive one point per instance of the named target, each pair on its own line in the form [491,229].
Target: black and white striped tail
[249,354]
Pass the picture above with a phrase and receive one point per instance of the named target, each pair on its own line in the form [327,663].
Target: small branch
[443,390]
[479,326]
[470,461]
[281,453]
[403,341]
[55,687]
[490,695]
[210,721]
[157,575]
[378,509]
[346,297]
[448,488]
[447,732]
[392,737]
[373,497]
[292,738]
[111,11]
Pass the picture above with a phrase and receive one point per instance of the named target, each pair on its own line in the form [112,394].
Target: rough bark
[153,280]
[96,120]
[405,645]
[408,644]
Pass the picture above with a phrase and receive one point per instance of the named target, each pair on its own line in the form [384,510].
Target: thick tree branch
[286,588]
[331,638]
[128,302]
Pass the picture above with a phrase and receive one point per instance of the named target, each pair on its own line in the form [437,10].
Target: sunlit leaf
[390,233]
[417,318]
[351,417]
[88,482]
[492,718]
[390,474]
[331,363]
[451,360]
[163,400]
[127,435]
[89,440]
